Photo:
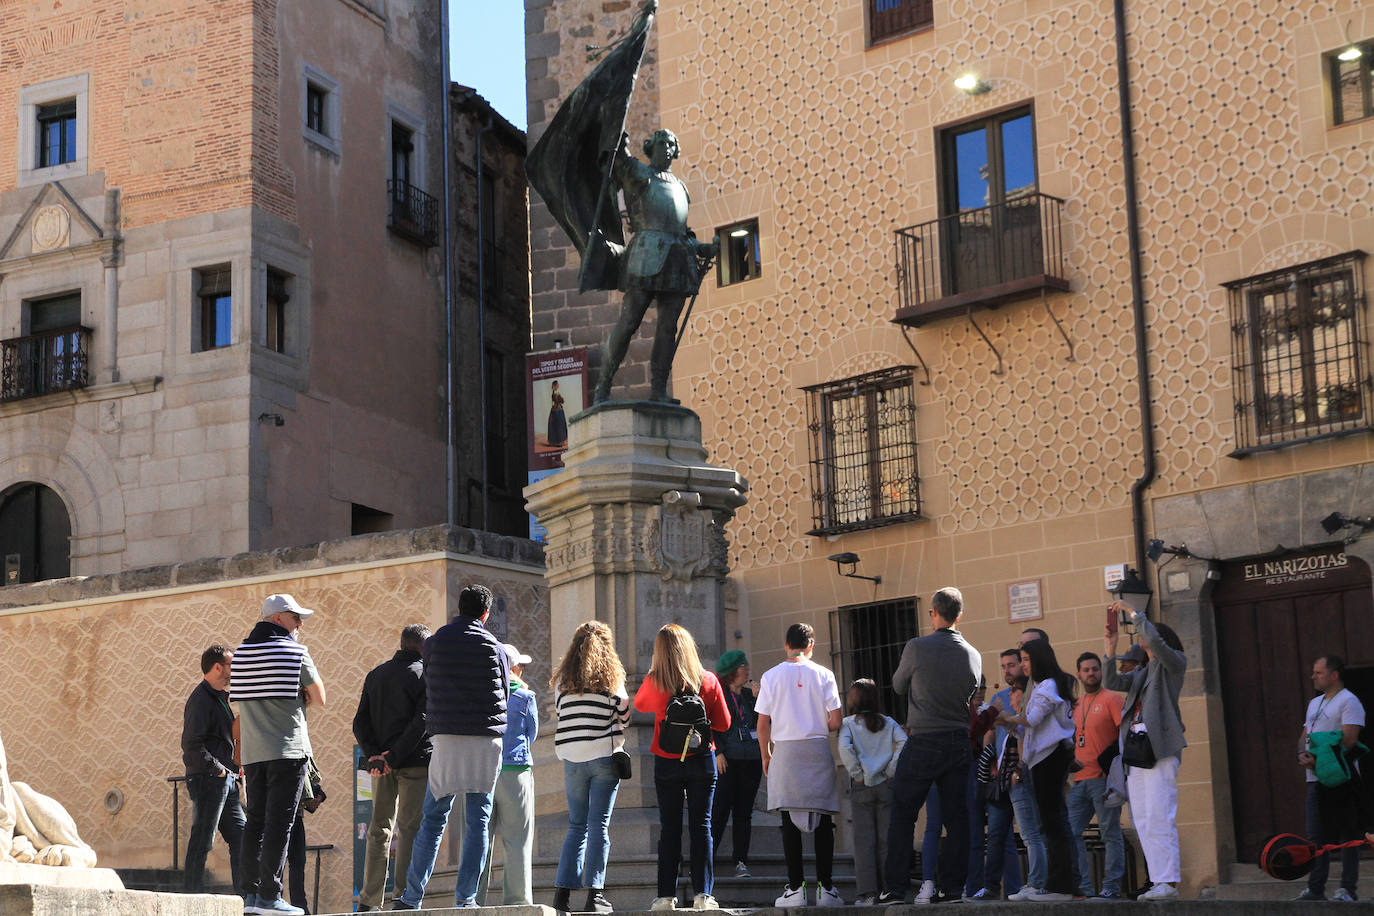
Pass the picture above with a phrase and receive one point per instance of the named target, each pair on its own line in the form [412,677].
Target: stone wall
[506,308]
[97,670]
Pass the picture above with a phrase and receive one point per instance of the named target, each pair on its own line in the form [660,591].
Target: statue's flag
[570,165]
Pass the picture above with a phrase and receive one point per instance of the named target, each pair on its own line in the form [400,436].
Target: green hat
[730,661]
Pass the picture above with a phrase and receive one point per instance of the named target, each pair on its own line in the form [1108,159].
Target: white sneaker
[664,903]
[1049,897]
[1342,896]
[704,902]
[866,900]
[926,893]
[829,896]
[1160,892]
[1024,893]
[791,898]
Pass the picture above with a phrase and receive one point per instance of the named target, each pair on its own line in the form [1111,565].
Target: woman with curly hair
[593,710]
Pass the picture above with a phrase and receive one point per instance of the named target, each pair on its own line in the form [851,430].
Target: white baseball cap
[515,655]
[280,604]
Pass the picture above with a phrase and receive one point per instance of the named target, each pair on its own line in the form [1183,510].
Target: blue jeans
[591,789]
[434,814]
[692,780]
[1003,864]
[1028,825]
[929,759]
[274,793]
[930,840]
[214,803]
[1086,798]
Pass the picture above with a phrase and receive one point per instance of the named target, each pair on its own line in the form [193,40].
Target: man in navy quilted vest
[272,681]
[467,685]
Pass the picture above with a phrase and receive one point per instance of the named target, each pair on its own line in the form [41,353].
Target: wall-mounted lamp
[1133,592]
[1337,520]
[841,560]
[1157,548]
[972,83]
[275,419]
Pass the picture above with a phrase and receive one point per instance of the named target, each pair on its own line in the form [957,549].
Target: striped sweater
[267,665]
[590,725]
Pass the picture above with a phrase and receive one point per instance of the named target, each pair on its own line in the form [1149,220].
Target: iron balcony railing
[44,363]
[980,257]
[412,213]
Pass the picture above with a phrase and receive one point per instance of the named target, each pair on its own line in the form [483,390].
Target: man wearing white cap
[512,809]
[272,685]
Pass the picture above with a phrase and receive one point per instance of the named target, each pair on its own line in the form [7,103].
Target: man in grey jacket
[1151,707]
[939,673]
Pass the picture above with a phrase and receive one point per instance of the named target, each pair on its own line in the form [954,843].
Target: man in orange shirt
[1097,725]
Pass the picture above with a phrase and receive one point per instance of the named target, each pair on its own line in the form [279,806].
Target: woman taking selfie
[687,704]
[593,710]
[1152,743]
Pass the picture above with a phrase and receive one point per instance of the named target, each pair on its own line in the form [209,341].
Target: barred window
[866,640]
[1298,360]
[863,451]
[893,18]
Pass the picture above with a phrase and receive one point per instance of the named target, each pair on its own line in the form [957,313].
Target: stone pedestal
[636,530]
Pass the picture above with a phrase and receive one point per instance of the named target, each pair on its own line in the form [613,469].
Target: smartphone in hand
[1111,620]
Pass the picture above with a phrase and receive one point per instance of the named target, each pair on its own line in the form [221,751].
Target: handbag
[1137,750]
[622,763]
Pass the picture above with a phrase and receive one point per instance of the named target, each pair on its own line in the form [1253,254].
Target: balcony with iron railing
[980,258]
[411,213]
[44,363]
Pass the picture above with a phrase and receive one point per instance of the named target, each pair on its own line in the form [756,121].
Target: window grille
[890,18]
[866,640]
[863,452]
[1298,360]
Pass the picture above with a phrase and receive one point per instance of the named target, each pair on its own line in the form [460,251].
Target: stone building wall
[97,670]
[1028,443]
[506,307]
[193,153]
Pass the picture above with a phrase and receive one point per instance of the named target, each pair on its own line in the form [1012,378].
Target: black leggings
[1047,779]
[792,849]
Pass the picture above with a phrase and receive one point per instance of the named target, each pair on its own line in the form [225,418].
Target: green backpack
[1335,765]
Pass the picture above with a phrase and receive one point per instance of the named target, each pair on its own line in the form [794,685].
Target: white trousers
[1153,797]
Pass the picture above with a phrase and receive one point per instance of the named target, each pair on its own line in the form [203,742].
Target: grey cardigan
[1160,680]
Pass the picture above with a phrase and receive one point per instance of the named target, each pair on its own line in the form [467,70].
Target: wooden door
[1274,618]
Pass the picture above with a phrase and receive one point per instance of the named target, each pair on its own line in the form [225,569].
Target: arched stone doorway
[35,535]
[1274,616]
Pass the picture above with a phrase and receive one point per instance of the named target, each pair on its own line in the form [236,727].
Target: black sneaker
[946,897]
[887,898]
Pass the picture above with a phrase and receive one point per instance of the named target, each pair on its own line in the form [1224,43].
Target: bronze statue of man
[663,263]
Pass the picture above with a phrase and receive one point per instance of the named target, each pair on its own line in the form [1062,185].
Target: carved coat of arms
[680,539]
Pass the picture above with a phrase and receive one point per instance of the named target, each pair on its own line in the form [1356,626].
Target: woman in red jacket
[685,772]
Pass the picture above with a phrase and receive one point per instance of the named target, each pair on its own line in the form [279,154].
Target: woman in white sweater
[1046,736]
[593,710]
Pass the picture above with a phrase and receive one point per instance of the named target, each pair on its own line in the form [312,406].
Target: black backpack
[685,729]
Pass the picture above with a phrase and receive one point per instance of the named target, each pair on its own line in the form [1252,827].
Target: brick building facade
[221,296]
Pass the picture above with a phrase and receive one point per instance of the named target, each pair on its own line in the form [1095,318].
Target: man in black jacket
[207,750]
[467,684]
[390,728]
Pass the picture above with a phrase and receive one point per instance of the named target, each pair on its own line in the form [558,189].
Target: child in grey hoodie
[870,744]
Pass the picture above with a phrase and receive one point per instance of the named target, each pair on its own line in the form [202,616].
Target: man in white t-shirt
[1333,812]
[798,707]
